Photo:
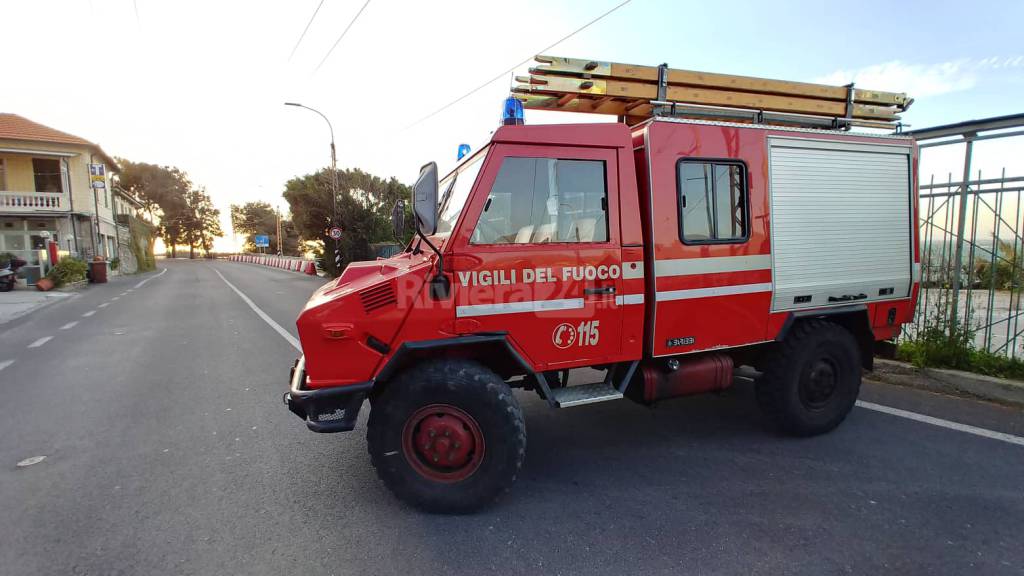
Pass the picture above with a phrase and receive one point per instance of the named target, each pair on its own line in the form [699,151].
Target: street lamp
[334,180]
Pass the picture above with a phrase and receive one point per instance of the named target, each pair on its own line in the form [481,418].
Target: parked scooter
[9,273]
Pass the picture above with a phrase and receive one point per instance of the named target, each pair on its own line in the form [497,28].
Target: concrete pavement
[22,301]
[168,451]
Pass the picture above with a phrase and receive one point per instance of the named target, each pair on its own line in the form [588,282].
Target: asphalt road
[168,451]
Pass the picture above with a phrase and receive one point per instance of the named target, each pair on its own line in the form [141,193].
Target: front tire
[447,436]
[812,381]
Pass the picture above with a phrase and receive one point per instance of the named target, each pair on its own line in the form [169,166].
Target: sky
[200,84]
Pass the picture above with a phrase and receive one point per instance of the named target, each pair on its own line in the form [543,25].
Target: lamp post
[334,180]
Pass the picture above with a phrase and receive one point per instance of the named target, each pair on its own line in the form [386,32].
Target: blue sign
[262,241]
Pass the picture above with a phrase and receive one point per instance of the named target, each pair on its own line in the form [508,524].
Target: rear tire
[812,381]
[447,436]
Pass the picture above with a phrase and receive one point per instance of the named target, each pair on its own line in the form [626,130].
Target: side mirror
[424,200]
[398,219]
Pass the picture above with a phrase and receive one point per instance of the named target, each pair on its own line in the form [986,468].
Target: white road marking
[125,293]
[31,461]
[104,305]
[40,342]
[943,423]
[140,284]
[89,313]
[69,325]
[277,327]
[5,364]
[115,298]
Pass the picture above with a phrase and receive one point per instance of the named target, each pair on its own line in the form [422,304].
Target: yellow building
[47,195]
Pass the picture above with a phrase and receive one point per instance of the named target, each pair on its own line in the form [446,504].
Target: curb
[952,382]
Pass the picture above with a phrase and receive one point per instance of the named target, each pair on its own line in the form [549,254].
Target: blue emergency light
[513,113]
[463,151]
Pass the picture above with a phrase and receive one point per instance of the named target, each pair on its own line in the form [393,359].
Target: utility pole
[277,211]
[334,181]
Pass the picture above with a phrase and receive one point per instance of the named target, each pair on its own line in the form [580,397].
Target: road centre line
[40,342]
[69,325]
[89,313]
[943,423]
[104,305]
[5,364]
[277,327]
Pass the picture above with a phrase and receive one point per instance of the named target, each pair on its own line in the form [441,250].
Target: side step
[584,394]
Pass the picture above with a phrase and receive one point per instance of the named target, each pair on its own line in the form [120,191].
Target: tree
[162,190]
[202,223]
[253,218]
[364,212]
[185,213]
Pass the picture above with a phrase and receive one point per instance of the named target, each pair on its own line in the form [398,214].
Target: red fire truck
[662,254]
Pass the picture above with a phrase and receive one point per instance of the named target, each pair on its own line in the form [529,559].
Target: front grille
[378,297]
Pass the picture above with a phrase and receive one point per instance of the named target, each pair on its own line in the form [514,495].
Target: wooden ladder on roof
[636,93]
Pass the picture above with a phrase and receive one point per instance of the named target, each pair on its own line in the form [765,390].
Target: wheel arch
[854,319]
[501,356]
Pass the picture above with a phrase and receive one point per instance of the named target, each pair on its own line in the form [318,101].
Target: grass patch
[934,347]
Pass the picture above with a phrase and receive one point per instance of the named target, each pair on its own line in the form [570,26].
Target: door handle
[600,290]
[847,297]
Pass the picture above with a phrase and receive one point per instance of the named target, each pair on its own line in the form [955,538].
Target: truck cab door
[538,255]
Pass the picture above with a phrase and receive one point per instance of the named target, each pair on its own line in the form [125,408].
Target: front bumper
[325,409]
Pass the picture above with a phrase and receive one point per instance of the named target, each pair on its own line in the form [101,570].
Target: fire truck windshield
[454,190]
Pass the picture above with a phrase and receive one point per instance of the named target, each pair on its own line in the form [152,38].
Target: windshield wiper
[448,192]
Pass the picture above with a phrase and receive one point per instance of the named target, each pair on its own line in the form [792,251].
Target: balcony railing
[33,202]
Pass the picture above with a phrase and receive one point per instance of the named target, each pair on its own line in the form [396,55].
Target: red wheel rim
[443,443]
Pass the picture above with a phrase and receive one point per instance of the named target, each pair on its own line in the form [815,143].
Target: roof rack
[636,93]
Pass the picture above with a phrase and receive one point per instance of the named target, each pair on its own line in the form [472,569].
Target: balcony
[27,202]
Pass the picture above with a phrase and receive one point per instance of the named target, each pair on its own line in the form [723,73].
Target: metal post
[961,224]
[334,180]
[334,199]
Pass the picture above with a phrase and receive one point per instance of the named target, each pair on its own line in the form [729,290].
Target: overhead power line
[343,32]
[306,29]
[503,73]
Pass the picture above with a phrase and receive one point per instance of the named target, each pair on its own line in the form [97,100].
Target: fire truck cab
[663,254]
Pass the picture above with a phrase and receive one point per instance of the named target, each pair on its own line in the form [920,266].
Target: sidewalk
[22,300]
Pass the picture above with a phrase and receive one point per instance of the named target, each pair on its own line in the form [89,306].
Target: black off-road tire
[460,387]
[794,392]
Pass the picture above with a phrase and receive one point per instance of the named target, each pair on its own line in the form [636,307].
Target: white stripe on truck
[716,265]
[670,295]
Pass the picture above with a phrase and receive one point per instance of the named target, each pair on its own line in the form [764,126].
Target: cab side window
[712,201]
[540,200]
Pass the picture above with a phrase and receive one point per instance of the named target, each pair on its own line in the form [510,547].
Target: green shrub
[66,271]
[114,263]
[933,347]
[142,244]
[5,257]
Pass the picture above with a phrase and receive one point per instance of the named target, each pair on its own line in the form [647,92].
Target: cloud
[920,80]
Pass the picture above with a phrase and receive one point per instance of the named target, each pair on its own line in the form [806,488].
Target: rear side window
[541,200]
[712,201]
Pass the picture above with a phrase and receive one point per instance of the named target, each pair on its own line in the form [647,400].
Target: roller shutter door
[841,222]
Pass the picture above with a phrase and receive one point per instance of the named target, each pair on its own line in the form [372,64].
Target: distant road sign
[98,176]
[335,233]
[261,241]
